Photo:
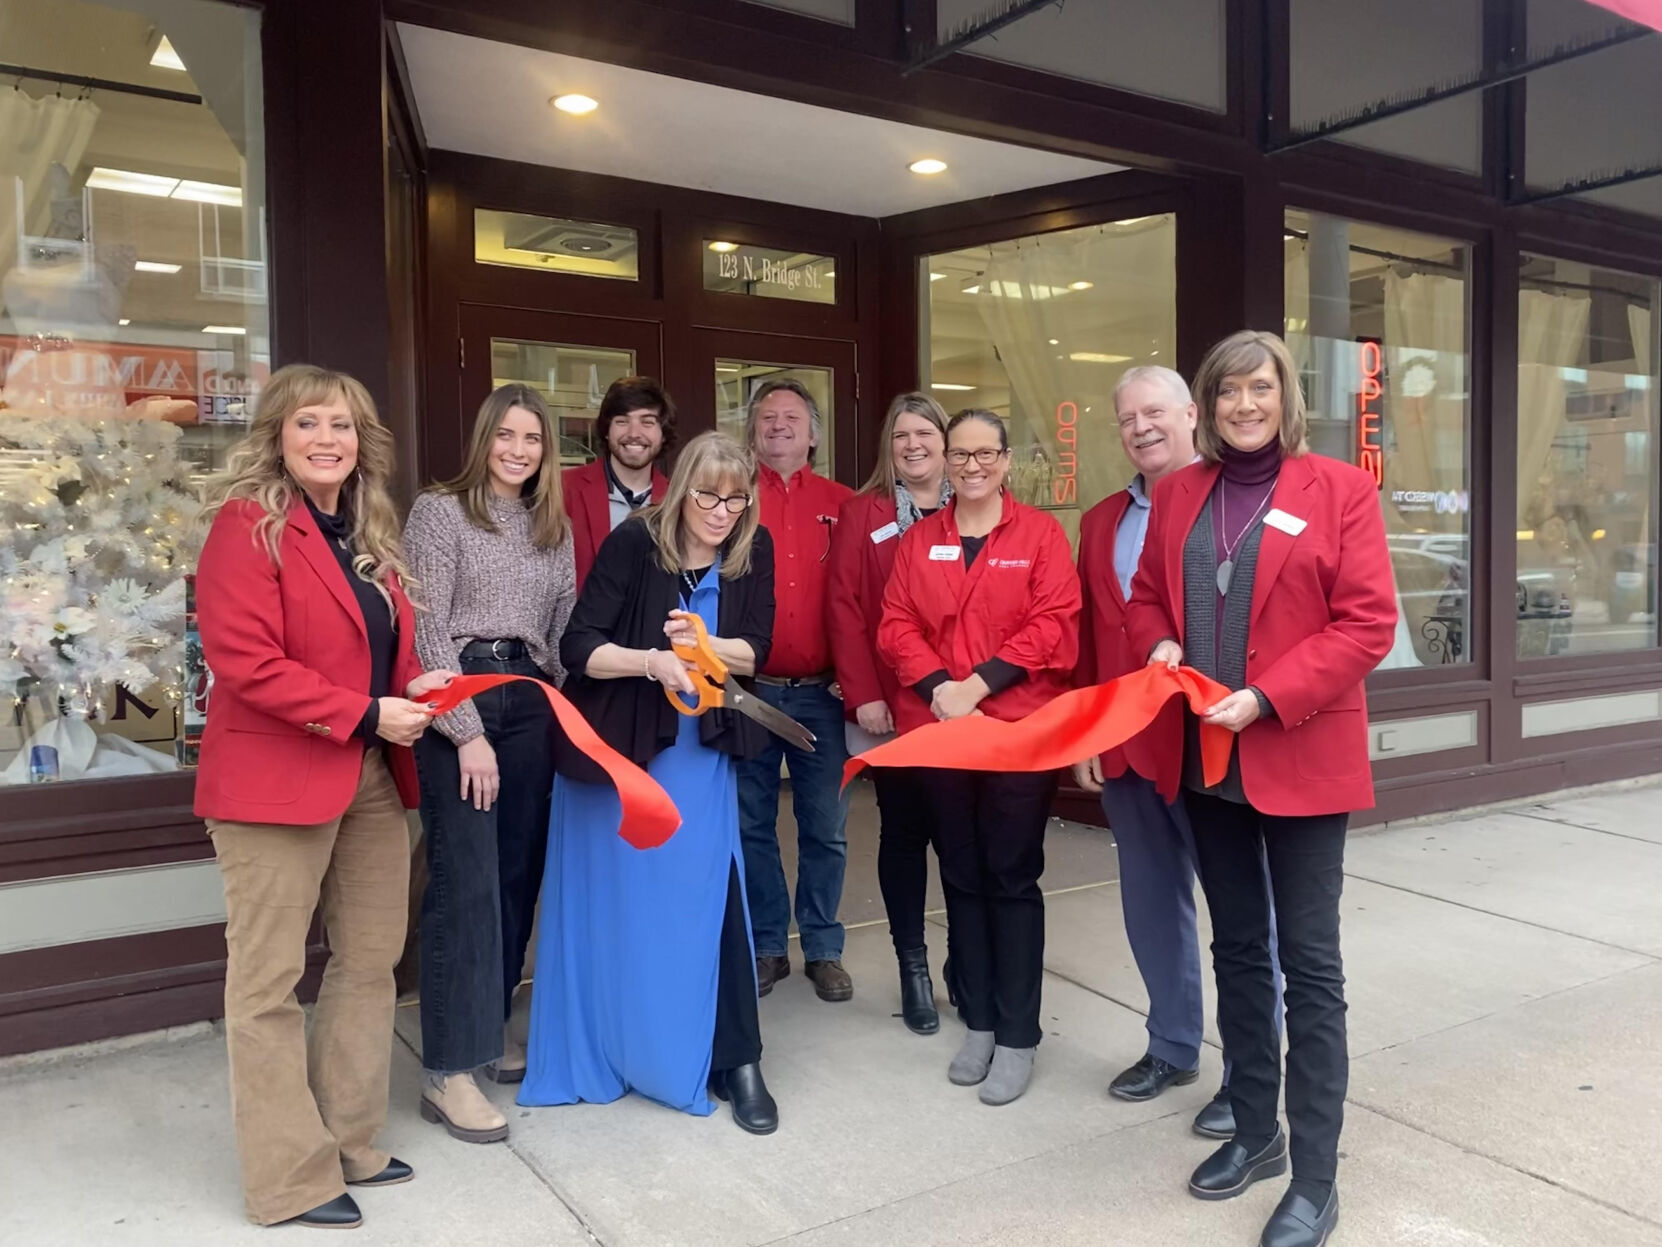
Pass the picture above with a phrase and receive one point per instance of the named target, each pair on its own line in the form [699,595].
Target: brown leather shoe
[769,970]
[830,980]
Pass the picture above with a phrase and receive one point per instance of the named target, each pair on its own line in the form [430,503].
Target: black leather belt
[500,650]
[798,681]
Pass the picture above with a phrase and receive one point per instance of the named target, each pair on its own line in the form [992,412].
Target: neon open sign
[1064,485]
[1370,448]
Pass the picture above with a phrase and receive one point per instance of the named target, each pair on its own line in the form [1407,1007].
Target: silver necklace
[1226,569]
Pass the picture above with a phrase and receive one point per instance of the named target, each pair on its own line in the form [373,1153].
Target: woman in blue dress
[645,974]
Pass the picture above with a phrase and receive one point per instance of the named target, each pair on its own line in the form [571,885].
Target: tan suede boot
[455,1102]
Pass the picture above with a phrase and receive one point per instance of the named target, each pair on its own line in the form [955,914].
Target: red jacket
[1323,615]
[584,491]
[290,659]
[800,515]
[1019,602]
[863,547]
[1105,654]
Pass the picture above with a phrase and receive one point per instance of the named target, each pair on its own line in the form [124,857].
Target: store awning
[1645,12]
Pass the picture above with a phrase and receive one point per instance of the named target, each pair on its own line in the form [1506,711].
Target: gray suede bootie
[974,1056]
[1012,1070]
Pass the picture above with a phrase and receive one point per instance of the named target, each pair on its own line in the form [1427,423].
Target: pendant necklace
[1226,569]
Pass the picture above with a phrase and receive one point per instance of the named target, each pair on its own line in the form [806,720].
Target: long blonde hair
[541,494]
[711,461]
[254,471]
[916,403]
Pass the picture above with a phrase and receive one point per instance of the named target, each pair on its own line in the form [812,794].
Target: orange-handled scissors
[715,689]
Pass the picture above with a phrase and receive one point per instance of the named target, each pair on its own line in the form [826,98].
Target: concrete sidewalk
[1505,976]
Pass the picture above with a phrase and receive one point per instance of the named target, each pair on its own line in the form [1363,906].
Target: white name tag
[1289,524]
[880,535]
[945,554]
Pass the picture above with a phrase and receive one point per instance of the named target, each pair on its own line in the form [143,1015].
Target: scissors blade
[776,721]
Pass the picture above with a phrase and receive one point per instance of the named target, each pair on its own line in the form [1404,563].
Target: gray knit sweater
[475,585]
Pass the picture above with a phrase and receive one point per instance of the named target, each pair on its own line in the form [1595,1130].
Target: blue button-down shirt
[1129,537]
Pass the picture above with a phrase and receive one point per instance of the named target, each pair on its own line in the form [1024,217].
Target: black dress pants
[738,1036]
[907,829]
[1306,858]
[990,831]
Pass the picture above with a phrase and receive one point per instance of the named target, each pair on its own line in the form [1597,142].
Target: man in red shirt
[799,510]
[635,428]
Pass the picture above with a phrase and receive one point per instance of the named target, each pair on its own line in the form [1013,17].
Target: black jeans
[484,869]
[907,820]
[1306,860]
[738,1035]
[990,835]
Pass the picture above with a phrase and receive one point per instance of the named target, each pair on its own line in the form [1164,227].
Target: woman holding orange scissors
[645,976]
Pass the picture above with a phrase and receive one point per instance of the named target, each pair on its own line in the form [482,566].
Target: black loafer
[1297,1222]
[1148,1078]
[340,1213]
[395,1172]
[1230,1170]
[1217,1119]
[753,1108]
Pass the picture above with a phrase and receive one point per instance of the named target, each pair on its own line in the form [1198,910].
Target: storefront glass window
[572,378]
[133,338]
[1587,471]
[1379,322]
[1039,330]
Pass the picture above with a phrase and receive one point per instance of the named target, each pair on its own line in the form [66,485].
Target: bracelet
[647,664]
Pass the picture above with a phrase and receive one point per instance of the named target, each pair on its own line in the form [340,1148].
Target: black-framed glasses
[986,456]
[736,504]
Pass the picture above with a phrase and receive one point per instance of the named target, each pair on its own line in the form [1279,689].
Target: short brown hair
[628,394]
[1236,355]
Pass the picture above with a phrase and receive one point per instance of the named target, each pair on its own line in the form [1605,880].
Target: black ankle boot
[753,1108]
[917,992]
[946,979]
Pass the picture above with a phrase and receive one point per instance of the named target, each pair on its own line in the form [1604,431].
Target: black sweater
[625,600]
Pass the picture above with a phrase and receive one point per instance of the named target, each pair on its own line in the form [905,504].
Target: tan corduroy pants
[307,1109]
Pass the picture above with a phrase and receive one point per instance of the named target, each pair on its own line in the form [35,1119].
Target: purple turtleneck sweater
[1242,493]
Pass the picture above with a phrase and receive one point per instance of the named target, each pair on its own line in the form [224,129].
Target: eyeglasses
[736,504]
[986,456]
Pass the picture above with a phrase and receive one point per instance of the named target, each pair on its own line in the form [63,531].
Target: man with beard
[799,509]
[636,426]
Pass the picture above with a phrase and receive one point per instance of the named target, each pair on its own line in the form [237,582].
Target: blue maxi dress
[624,992]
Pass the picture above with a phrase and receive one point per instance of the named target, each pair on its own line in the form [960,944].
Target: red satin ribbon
[1076,725]
[649,816]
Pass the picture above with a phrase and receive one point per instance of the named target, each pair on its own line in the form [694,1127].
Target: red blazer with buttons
[1019,602]
[290,660]
[1105,654]
[584,491]
[863,546]
[1323,615]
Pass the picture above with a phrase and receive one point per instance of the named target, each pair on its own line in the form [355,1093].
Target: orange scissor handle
[706,675]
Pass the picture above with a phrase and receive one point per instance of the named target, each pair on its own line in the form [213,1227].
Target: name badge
[1289,524]
[945,554]
[880,535]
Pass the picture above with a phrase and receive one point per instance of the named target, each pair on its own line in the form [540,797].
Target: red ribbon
[1076,725]
[649,816]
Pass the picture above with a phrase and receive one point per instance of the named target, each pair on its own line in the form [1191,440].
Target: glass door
[740,363]
[570,360]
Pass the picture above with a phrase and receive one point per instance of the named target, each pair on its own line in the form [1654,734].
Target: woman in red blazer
[908,483]
[981,616]
[304,778]
[1265,567]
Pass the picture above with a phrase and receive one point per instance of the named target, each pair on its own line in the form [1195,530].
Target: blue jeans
[821,812]
[484,869]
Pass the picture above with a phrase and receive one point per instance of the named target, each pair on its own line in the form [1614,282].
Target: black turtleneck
[379,624]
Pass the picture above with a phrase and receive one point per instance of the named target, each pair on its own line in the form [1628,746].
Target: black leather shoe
[1148,1078]
[1230,1170]
[395,1172]
[340,1213]
[1217,1119]
[769,970]
[753,1108]
[1297,1222]
[917,993]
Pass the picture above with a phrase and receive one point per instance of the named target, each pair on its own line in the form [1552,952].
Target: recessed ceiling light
[1080,285]
[928,166]
[724,247]
[1056,342]
[133,183]
[123,321]
[972,289]
[209,193]
[154,266]
[947,385]
[230,329]
[576,105]
[1098,357]
[164,57]
[936,276]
